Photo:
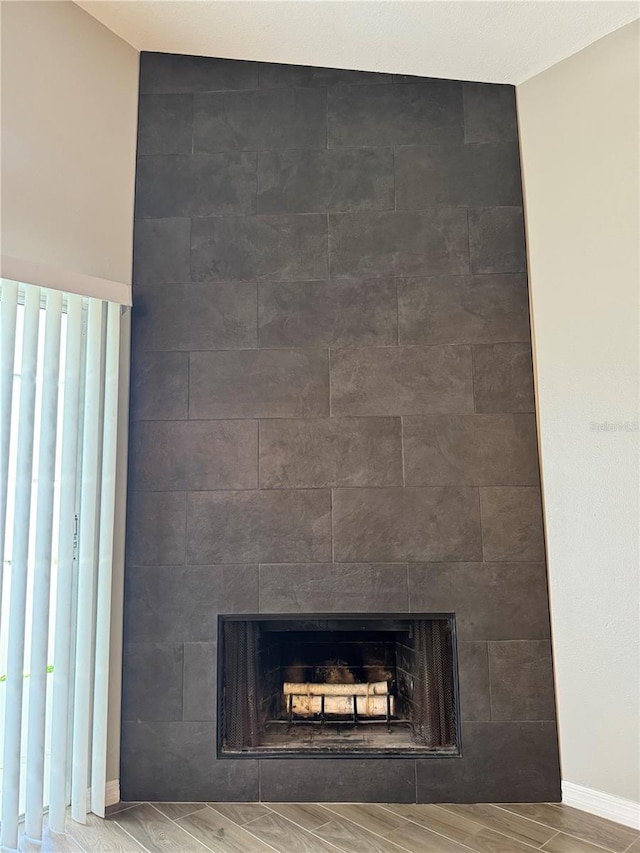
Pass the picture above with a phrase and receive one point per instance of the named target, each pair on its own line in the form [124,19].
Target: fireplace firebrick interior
[377,685]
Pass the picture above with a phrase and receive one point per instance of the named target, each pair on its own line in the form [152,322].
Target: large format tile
[425,242]
[264,120]
[199,683]
[152,681]
[259,384]
[473,670]
[220,833]
[503,378]
[194,455]
[267,526]
[491,601]
[598,830]
[470,450]
[489,112]
[282,247]
[458,174]
[327,180]
[178,604]
[161,251]
[406,524]
[156,528]
[339,781]
[395,115]
[184,768]
[165,124]
[474,309]
[159,386]
[195,185]
[512,523]
[496,240]
[318,452]
[172,72]
[334,588]
[401,381]
[274,76]
[521,680]
[346,312]
[195,317]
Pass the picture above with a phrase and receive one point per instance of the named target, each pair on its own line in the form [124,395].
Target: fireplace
[337,685]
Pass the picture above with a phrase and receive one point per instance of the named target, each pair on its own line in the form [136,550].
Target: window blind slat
[62,632]
[19,568]
[87,563]
[8,315]
[42,567]
[105,563]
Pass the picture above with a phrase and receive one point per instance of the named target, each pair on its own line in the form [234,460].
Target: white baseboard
[604,805]
[112,792]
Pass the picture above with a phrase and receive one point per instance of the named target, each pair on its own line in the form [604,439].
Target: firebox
[340,685]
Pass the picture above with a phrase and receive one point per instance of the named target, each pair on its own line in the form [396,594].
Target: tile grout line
[186,831]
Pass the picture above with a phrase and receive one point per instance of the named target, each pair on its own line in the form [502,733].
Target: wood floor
[315,828]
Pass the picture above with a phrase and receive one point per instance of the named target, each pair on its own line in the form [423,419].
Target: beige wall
[580,154]
[69,108]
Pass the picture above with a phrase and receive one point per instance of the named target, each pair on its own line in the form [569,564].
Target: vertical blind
[58,417]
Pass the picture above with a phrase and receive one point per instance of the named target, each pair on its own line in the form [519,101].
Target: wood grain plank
[505,822]
[368,815]
[587,827]
[52,842]
[240,813]
[221,834]
[454,826]
[287,837]
[489,841]
[419,839]
[176,810]
[354,839]
[102,836]
[562,843]
[156,832]
[307,815]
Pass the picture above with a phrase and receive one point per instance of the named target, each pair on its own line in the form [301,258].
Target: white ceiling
[499,42]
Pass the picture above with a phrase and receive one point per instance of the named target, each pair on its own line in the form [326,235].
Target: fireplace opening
[337,685]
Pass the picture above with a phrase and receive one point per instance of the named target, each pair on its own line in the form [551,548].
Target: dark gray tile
[259,247]
[278,76]
[200,672]
[319,452]
[457,174]
[268,526]
[496,240]
[492,601]
[152,681]
[401,381]
[512,523]
[325,180]
[463,309]
[194,455]
[473,668]
[259,384]
[471,450]
[502,762]
[160,386]
[324,780]
[346,312]
[195,185]
[395,115]
[489,112]
[156,523]
[161,251]
[424,242]
[503,378]
[334,588]
[167,762]
[178,604]
[195,317]
[171,72]
[406,524]
[165,124]
[260,121]
[521,680]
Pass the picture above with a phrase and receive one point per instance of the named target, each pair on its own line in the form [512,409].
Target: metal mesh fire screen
[343,685]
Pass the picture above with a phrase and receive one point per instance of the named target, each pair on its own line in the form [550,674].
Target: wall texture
[579,126]
[332,406]
[69,93]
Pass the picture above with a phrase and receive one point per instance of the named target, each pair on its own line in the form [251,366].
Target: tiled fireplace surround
[332,411]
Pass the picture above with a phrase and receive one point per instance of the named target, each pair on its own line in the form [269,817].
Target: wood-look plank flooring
[339,828]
